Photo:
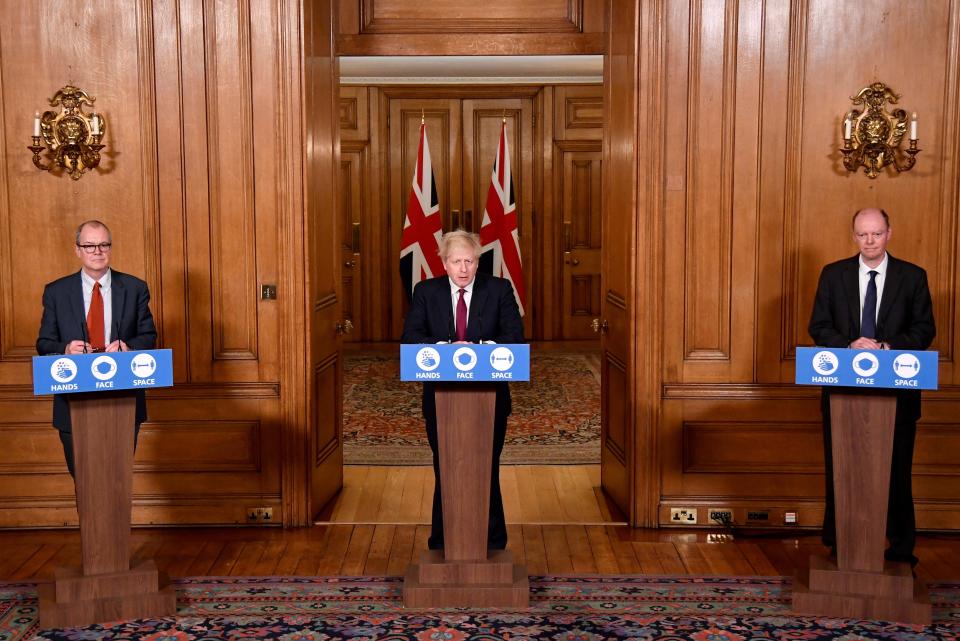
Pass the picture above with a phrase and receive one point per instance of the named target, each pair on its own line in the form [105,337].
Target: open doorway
[628,466]
[553,107]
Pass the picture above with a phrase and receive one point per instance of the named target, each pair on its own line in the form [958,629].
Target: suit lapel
[118,295]
[851,287]
[891,286]
[444,304]
[76,304]
[477,301]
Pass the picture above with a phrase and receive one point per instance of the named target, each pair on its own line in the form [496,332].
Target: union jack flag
[499,236]
[420,243]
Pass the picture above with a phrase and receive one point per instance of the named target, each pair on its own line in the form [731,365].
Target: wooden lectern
[860,583]
[464,574]
[106,588]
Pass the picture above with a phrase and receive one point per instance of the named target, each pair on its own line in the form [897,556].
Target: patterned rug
[556,416]
[562,608]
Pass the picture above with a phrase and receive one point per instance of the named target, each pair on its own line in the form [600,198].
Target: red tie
[95,318]
[461,317]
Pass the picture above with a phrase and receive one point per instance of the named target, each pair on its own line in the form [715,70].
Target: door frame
[634,39]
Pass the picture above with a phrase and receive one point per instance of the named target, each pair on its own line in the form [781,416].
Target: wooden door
[482,119]
[442,117]
[616,322]
[352,172]
[580,237]
[324,447]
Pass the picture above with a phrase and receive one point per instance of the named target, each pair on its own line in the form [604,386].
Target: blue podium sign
[465,362]
[102,371]
[897,369]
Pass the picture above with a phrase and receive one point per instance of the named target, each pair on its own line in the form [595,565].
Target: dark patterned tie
[868,322]
[95,318]
[461,317]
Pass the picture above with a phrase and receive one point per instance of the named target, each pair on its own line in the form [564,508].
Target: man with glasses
[875,301]
[97,309]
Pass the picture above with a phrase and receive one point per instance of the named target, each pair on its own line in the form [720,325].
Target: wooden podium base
[493,583]
[891,595]
[75,599]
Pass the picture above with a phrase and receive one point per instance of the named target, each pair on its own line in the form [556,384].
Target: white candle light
[847,126]
[36,124]
[96,124]
[913,126]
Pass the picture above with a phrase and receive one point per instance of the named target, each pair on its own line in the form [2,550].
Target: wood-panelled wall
[756,201]
[199,184]
[723,190]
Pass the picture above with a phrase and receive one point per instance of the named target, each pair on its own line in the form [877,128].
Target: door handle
[599,327]
[345,327]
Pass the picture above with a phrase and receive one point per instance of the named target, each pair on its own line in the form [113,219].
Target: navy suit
[494,316]
[64,320]
[904,321]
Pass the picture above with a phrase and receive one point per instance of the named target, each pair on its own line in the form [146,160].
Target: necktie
[868,322]
[461,317]
[95,319]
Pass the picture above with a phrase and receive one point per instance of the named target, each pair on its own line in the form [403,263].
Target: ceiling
[393,70]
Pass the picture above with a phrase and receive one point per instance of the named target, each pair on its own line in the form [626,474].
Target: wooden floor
[532,494]
[386,549]
[558,522]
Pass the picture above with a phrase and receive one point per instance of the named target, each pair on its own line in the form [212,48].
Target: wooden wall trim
[151,170]
[230,128]
[470,44]
[946,273]
[8,351]
[370,22]
[205,460]
[705,449]
[708,278]
[392,92]
[791,322]
[648,302]
[293,266]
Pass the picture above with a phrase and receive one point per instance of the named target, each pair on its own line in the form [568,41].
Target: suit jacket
[904,320]
[494,316]
[64,321]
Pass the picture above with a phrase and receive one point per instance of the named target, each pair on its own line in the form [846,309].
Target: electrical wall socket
[758,516]
[720,515]
[259,515]
[683,515]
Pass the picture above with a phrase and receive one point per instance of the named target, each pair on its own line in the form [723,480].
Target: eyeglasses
[90,249]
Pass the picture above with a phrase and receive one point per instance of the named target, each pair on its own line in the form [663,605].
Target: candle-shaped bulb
[36,124]
[913,126]
[847,127]
[95,124]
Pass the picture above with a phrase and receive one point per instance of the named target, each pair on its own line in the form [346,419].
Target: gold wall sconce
[72,137]
[871,138]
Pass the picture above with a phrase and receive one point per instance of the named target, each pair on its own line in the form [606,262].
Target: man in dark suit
[875,301]
[94,310]
[465,306]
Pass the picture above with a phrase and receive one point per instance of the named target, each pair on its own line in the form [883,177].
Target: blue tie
[868,323]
